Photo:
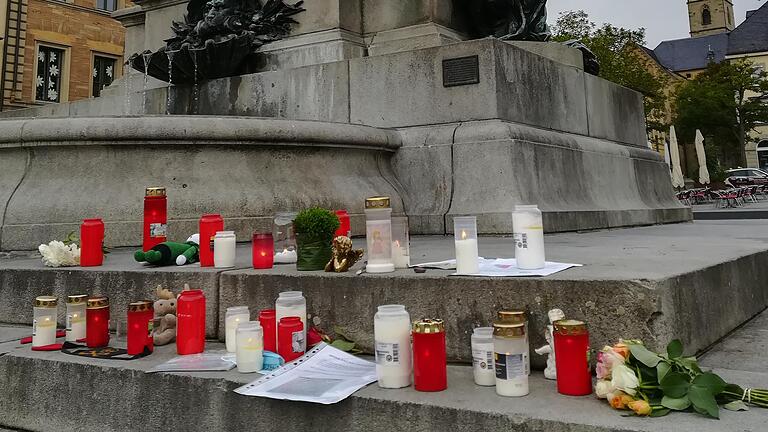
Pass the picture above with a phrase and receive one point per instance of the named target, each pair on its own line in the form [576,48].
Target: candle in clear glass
[234,316]
[155,217]
[97,322]
[224,249]
[285,238]
[263,251]
[250,347]
[392,338]
[465,231]
[528,229]
[482,357]
[76,317]
[139,326]
[400,243]
[510,359]
[292,304]
[44,321]
[430,363]
[378,235]
[572,359]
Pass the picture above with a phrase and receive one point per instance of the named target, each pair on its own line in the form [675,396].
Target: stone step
[696,281]
[45,391]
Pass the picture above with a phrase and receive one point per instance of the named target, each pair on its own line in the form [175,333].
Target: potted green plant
[314,229]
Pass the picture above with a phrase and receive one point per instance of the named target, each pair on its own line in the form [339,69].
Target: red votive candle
[430,362]
[97,322]
[572,358]
[209,225]
[91,243]
[290,338]
[345,226]
[263,251]
[268,320]
[155,217]
[190,322]
[139,327]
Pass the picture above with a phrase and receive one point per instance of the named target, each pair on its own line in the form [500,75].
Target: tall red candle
[190,322]
[155,217]
[209,225]
[263,251]
[430,362]
[345,227]
[97,322]
[268,320]
[290,338]
[139,327]
[91,243]
[572,358]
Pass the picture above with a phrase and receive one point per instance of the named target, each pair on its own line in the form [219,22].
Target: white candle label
[34,327]
[521,240]
[297,341]
[482,358]
[510,366]
[158,230]
[387,354]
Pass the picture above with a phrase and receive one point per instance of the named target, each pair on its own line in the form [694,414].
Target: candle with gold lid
[514,316]
[572,358]
[76,317]
[378,235]
[44,321]
[510,358]
[97,322]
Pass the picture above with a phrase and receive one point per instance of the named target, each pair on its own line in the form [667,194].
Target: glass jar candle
[209,225]
[233,317]
[378,235]
[76,317]
[517,317]
[483,367]
[528,230]
[224,249]
[401,255]
[97,322]
[139,327]
[345,224]
[510,358]
[250,347]
[190,322]
[292,304]
[155,217]
[290,338]
[392,339]
[430,362]
[44,321]
[91,243]
[263,251]
[465,231]
[284,237]
[572,359]
[268,321]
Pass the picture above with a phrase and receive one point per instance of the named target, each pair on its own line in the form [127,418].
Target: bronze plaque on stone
[461,71]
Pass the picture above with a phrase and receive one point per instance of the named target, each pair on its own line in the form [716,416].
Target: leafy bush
[316,223]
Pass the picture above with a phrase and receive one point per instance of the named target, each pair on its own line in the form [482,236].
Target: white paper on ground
[205,362]
[502,267]
[324,375]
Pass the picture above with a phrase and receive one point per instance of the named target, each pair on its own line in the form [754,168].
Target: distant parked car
[747,177]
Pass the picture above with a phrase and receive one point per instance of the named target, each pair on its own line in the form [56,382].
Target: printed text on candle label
[510,366]
[387,353]
[483,358]
[158,230]
[297,341]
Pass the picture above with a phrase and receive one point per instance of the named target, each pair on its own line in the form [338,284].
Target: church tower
[708,17]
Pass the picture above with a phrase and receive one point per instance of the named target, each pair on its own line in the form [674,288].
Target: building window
[103,73]
[706,16]
[50,62]
[687,75]
[106,5]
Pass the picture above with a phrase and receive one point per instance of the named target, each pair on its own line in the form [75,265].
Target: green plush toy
[169,253]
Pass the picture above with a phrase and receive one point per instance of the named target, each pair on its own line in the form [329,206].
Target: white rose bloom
[603,388]
[624,379]
[57,254]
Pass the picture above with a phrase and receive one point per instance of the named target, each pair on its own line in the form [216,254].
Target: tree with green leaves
[618,61]
[727,102]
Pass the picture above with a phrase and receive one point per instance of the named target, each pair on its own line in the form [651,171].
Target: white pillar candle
[528,229]
[44,321]
[234,316]
[483,367]
[224,249]
[400,257]
[392,338]
[465,230]
[250,347]
[510,359]
[76,317]
[292,304]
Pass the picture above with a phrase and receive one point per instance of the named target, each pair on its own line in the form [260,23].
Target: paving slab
[119,396]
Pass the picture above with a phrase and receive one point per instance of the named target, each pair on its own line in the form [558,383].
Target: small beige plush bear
[165,311]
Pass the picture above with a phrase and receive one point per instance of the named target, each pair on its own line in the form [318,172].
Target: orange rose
[619,400]
[640,407]
[622,349]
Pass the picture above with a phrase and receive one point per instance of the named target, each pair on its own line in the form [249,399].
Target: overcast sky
[662,19]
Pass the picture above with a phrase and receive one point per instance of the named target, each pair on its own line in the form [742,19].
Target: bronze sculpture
[508,19]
